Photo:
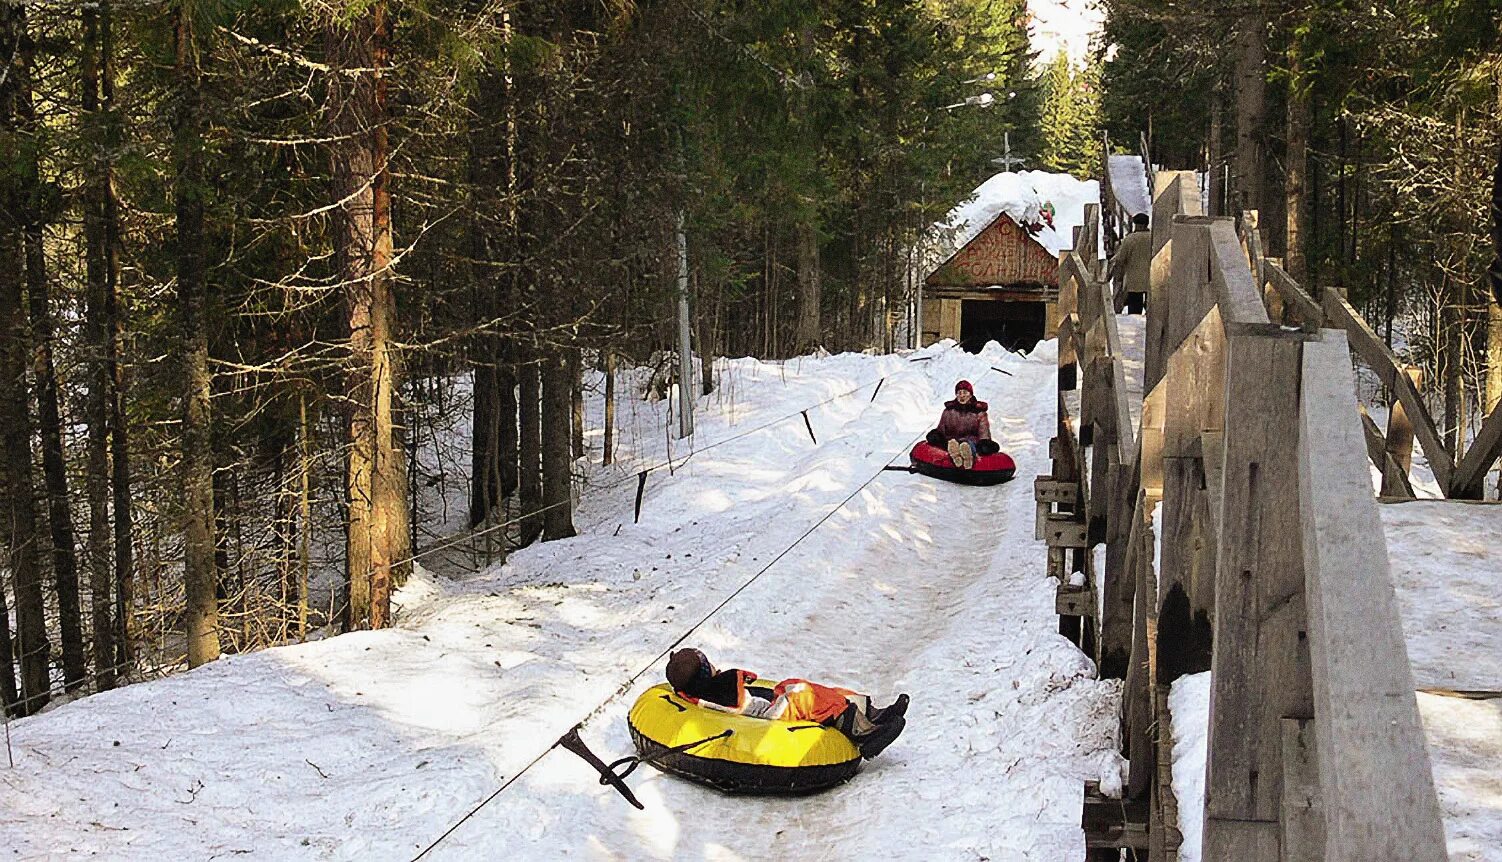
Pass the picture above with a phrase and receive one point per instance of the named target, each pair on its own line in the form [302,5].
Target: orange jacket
[809,701]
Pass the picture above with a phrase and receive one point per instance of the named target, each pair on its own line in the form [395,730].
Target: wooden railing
[1459,475]
[1247,470]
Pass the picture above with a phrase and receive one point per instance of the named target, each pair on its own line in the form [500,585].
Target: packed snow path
[371,745]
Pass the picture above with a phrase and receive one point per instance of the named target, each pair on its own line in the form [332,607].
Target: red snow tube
[988,470]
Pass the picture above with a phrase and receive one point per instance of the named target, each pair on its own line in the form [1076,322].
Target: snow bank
[1189,704]
[1022,195]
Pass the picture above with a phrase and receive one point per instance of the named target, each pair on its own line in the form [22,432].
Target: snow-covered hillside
[371,745]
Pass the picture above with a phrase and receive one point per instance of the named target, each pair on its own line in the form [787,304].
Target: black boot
[877,740]
[897,709]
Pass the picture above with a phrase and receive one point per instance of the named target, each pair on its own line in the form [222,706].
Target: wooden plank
[1260,664]
[1229,840]
[1047,489]
[1371,349]
[1470,476]
[1399,443]
[1074,601]
[1195,400]
[1303,816]
[1237,291]
[1115,642]
[1394,479]
[1125,433]
[1174,193]
[1063,531]
[1189,295]
[1305,310]
[1375,774]
[1109,822]
[1154,411]
[1139,703]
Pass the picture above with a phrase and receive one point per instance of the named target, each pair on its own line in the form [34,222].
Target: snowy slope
[1129,184]
[371,745]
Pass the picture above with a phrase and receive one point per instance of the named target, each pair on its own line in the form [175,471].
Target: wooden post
[1375,774]
[1399,441]
[1303,814]
[1261,663]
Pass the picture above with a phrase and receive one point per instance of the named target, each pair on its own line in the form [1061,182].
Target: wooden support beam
[1115,642]
[1303,814]
[1374,352]
[1399,441]
[1237,291]
[1260,664]
[1470,476]
[1394,479]
[1306,311]
[1376,778]
[1118,823]
[1074,601]
[1063,531]
[1174,193]
[1141,668]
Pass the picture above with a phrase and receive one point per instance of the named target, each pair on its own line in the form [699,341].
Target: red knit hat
[964,385]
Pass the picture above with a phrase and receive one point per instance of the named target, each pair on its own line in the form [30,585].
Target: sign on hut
[1002,286]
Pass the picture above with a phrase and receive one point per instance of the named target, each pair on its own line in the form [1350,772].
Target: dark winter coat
[965,421]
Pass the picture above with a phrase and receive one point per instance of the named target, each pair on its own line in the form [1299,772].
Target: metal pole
[685,356]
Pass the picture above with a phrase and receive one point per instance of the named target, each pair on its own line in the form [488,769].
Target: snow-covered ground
[371,745]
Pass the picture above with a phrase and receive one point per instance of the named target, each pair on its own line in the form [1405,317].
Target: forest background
[255,255]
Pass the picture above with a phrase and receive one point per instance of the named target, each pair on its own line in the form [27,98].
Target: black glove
[936,439]
[987,447]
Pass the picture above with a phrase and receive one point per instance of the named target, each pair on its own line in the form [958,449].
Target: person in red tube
[964,428]
[698,681]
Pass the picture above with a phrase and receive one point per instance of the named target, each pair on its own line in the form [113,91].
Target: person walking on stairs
[1131,267]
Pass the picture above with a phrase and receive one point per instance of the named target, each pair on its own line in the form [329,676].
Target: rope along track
[631,681]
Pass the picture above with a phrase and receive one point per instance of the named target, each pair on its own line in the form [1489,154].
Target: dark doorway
[1015,325]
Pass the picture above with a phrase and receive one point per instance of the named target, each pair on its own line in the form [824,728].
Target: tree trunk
[44,376]
[304,512]
[608,457]
[574,365]
[18,528]
[529,411]
[506,424]
[1251,105]
[114,321]
[96,334]
[809,300]
[557,488]
[202,611]
[1295,181]
[482,462]
[18,516]
[1494,282]
[375,477]
[1215,157]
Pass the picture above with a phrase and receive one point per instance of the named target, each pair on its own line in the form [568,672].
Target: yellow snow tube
[748,755]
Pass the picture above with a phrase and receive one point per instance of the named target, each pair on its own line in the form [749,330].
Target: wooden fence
[1240,536]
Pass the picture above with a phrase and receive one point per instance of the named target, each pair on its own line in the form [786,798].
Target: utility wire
[631,681]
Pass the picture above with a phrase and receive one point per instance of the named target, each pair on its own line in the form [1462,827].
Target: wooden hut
[1002,285]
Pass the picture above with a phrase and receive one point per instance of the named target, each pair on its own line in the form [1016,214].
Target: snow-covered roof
[1022,195]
